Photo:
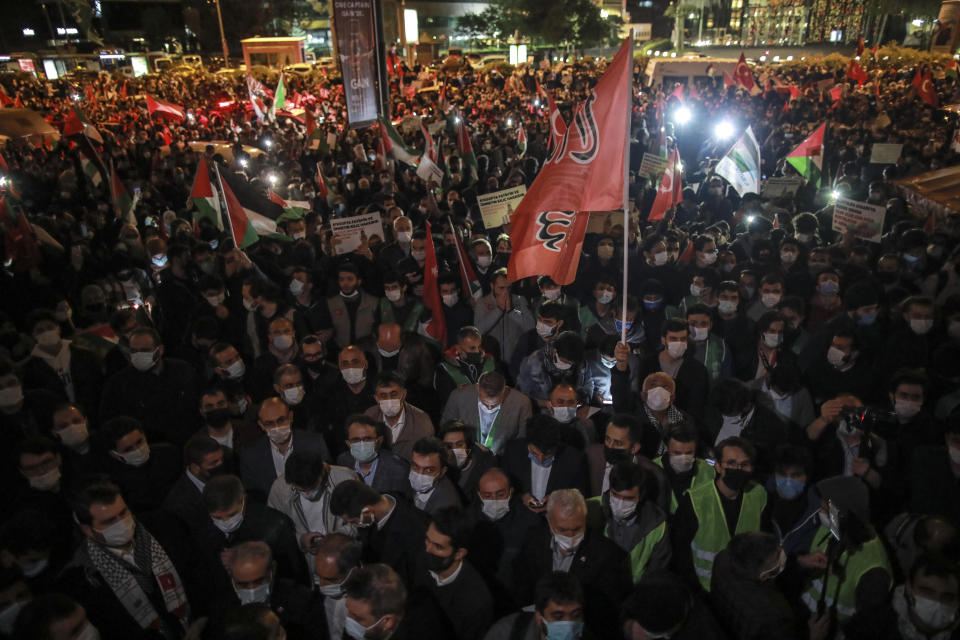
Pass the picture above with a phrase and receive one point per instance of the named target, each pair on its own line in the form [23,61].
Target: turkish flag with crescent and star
[926,91]
[584,173]
[670,189]
[744,76]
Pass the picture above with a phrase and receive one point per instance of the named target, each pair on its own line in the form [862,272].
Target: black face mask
[438,564]
[736,479]
[314,365]
[217,418]
[476,359]
[613,456]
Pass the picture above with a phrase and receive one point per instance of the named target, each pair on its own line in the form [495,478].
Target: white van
[666,71]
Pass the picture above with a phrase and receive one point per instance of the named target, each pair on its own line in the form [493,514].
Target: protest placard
[652,165]
[496,207]
[349,233]
[865,220]
[428,171]
[782,187]
[882,153]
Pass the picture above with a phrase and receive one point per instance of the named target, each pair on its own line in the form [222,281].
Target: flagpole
[226,208]
[626,195]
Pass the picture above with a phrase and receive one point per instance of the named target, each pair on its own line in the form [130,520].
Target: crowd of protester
[207,442]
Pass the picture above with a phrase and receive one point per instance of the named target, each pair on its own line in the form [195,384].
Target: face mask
[695,290]
[217,300]
[240,406]
[356,630]
[676,349]
[932,613]
[35,568]
[296,287]
[119,534]
[769,300]
[450,299]
[293,396]
[419,256]
[658,398]
[495,509]
[236,370]
[551,294]
[73,435]
[257,594]
[143,360]
[620,325]
[544,330]
[8,617]
[249,304]
[682,463]
[390,407]
[363,451]
[282,342]
[388,354]
[565,414]
[138,457]
[652,305]
[727,267]
[866,319]
[564,630]
[568,543]
[736,479]
[278,435]
[604,252]
[727,307]
[699,334]
[789,488]
[46,481]
[709,258]
[605,297]
[548,461]
[907,408]
[231,524]
[50,338]
[393,295]
[353,375]
[622,509]
[609,363]
[921,327]
[910,258]
[404,237]
[460,456]
[421,482]
[349,296]
[772,340]
[804,238]
[829,288]
[483,261]
[788,257]
[560,364]
[836,357]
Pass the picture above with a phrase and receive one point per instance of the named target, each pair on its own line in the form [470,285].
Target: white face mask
[682,463]
[363,451]
[921,326]
[450,299]
[495,509]
[334,590]
[356,630]
[136,458]
[695,290]
[257,594]
[421,482]
[710,257]
[353,375]
[388,354]
[907,408]
[282,342]
[676,349]
[565,414]
[788,257]
[296,287]
[294,395]
[836,357]
[393,295]
[568,543]
[120,533]
[390,407]
[216,301]
[605,297]
[551,294]
[11,396]
[699,334]
[660,259]
[560,364]
[236,370]
[772,339]
[404,237]
[249,304]
[484,261]
[143,360]
[622,509]
[278,435]
[933,613]
[74,434]
[769,300]
[658,398]
[460,456]
[46,481]
[544,330]
[231,524]
[727,307]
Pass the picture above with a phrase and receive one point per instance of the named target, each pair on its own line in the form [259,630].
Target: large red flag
[558,128]
[728,81]
[744,76]
[437,327]
[926,91]
[584,173]
[165,109]
[670,189]
[856,72]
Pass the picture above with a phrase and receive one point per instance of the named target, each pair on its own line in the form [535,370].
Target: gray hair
[566,502]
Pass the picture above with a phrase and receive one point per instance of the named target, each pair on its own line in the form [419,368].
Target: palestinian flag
[165,109]
[521,141]
[393,144]
[468,276]
[259,209]
[241,227]
[467,156]
[279,98]
[315,138]
[75,123]
[122,203]
[291,209]
[807,158]
[204,197]
[430,150]
[91,170]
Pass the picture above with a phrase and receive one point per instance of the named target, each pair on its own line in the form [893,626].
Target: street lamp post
[223,38]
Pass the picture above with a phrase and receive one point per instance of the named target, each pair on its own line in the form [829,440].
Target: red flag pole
[626,196]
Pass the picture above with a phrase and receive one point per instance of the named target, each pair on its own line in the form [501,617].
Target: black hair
[350,497]
[303,468]
[222,492]
[453,523]
[558,587]
[199,447]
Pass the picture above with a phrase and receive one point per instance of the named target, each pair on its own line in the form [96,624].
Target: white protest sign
[782,187]
[428,171]
[882,153]
[652,165]
[496,207]
[434,127]
[347,232]
[865,220]
[331,140]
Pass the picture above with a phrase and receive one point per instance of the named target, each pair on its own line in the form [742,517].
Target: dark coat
[399,542]
[85,372]
[392,475]
[256,461]
[569,469]
[749,609]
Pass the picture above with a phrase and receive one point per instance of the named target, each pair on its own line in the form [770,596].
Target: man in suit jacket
[623,441]
[407,424]
[432,490]
[564,544]
[391,530]
[263,460]
[204,458]
[496,412]
[353,310]
[539,464]
[379,468]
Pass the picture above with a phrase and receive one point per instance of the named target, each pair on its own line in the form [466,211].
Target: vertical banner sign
[355,25]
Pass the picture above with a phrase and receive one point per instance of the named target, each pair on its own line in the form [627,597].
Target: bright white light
[724,130]
[243,162]
[682,115]
[834,194]
[509,122]
[536,102]
[411,25]
[763,58]
[29,32]
[673,54]
[75,97]
[456,120]
[272,178]
[789,58]
[268,143]
[776,58]
[917,22]
[750,219]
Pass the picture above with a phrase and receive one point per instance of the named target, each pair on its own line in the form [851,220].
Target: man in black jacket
[564,544]
[146,472]
[204,459]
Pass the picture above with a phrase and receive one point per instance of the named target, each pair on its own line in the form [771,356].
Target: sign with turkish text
[785,187]
[863,219]
[497,207]
[349,234]
[653,164]
[882,153]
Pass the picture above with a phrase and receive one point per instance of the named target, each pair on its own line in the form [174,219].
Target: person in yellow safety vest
[629,515]
[850,573]
[710,515]
[680,464]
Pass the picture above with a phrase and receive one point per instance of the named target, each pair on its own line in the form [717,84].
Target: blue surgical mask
[652,305]
[620,325]
[609,364]
[867,319]
[564,630]
[546,462]
[790,488]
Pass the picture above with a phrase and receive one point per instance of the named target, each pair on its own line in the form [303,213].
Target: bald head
[389,336]
[352,357]
[494,485]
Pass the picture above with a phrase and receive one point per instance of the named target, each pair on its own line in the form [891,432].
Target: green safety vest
[458,376]
[712,534]
[705,475]
[642,550]
[871,556]
[714,356]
